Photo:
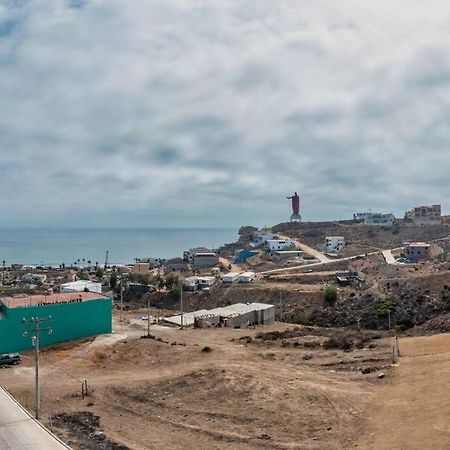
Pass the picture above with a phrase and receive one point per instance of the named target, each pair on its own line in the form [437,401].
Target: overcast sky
[209,113]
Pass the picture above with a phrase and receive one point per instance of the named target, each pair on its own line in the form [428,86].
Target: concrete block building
[204,260]
[73,316]
[424,215]
[334,244]
[417,251]
[237,315]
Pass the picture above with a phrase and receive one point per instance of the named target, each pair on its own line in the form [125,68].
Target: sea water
[57,246]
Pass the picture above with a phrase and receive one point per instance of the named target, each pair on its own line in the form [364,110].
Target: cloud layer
[175,113]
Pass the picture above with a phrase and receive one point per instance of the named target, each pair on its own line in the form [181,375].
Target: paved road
[19,431]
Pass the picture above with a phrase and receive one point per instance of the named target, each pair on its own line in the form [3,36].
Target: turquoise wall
[70,321]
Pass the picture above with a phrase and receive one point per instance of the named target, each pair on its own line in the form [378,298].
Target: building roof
[37,300]
[417,244]
[227,311]
[176,261]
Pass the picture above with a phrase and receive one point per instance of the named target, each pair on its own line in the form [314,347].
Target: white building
[371,218]
[246,277]
[334,244]
[260,237]
[280,244]
[81,286]
[230,277]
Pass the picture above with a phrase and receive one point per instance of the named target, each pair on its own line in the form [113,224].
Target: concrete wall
[255,317]
[70,321]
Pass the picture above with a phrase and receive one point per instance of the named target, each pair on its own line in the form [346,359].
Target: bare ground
[169,393]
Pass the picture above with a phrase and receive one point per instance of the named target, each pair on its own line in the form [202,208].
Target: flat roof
[36,300]
[227,311]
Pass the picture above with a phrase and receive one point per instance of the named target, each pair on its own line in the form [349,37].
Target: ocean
[63,245]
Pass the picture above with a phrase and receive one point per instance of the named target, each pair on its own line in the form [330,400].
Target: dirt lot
[189,389]
[412,408]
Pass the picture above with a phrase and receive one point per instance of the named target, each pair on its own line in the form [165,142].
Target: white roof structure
[226,311]
[80,286]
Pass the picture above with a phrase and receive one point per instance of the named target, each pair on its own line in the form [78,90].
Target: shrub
[300,319]
[330,294]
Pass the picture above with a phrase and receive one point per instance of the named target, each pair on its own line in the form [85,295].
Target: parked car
[10,359]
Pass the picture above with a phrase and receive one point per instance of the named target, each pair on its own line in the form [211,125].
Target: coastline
[54,246]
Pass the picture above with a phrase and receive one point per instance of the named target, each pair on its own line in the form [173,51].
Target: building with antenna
[73,316]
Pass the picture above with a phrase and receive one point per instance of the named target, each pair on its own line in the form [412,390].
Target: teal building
[72,316]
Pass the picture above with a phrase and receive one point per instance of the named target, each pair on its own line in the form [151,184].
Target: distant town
[324,294]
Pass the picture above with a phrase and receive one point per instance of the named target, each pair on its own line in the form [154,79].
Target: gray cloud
[148,113]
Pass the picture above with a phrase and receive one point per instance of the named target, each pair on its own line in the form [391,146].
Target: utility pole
[281,307]
[148,317]
[35,331]
[121,300]
[181,305]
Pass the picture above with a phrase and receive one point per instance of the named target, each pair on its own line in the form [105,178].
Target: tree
[99,273]
[83,275]
[330,294]
[172,280]
[113,280]
[384,307]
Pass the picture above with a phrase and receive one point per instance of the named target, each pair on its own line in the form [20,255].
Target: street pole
[35,331]
[181,305]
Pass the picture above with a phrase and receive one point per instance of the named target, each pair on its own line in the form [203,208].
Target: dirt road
[412,410]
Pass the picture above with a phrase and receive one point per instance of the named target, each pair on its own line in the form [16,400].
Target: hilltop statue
[295,217]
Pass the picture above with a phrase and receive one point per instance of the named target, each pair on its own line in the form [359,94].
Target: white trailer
[231,277]
[206,282]
[246,277]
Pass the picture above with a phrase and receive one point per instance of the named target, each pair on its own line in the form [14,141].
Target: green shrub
[330,294]
[301,319]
